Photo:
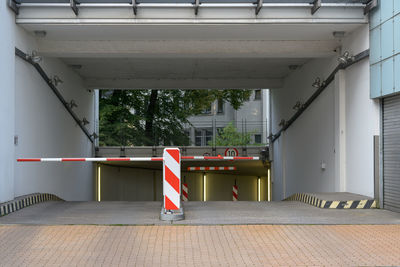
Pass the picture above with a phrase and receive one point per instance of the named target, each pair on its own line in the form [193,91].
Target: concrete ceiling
[169,46]
[187,56]
[186,72]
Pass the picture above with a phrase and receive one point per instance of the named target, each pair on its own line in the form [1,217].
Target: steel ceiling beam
[196,7]
[259,6]
[316,6]
[134,6]
[73,5]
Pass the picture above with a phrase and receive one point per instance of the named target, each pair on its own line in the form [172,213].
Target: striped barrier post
[185,195]
[235,193]
[172,178]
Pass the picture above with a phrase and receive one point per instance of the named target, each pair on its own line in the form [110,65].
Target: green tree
[229,136]
[155,117]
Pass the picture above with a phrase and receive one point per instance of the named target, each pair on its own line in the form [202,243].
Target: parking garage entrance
[204,180]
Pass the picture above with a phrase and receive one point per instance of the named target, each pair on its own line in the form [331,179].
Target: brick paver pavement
[219,245]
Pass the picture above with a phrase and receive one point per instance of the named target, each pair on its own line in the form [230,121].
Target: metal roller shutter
[391,153]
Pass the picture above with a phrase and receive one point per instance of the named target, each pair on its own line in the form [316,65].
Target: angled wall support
[48,81]
[357,58]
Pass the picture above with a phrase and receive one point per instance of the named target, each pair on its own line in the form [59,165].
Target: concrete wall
[337,129]
[299,152]
[7,78]
[135,184]
[42,125]
[362,119]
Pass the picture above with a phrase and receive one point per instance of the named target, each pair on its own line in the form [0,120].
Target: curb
[332,204]
[25,201]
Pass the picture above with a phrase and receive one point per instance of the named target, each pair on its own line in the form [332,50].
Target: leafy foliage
[229,136]
[155,117]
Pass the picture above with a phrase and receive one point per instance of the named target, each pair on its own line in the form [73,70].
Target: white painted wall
[313,138]
[362,119]
[7,78]
[44,128]
[298,153]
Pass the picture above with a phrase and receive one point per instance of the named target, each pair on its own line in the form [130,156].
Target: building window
[208,135]
[220,106]
[257,94]
[206,111]
[203,136]
[257,138]
[198,137]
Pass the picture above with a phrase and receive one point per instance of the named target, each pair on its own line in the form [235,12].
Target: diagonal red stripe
[174,153]
[171,178]
[169,205]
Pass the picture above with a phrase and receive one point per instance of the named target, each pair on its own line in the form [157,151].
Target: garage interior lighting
[98,183]
[259,188]
[269,185]
[204,187]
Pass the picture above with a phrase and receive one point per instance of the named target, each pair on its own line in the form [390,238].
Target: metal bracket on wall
[259,6]
[316,6]
[73,4]
[14,6]
[134,6]
[370,5]
[196,7]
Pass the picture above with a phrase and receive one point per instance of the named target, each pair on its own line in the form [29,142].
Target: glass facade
[385,49]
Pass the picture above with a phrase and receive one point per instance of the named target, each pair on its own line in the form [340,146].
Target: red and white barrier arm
[130,159]
[87,159]
[211,168]
[218,158]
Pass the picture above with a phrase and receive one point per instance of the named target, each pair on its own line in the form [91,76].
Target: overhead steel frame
[259,4]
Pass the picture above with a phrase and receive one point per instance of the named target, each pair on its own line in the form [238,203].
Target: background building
[250,118]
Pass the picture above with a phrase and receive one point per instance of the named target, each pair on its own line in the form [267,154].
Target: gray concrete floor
[196,213]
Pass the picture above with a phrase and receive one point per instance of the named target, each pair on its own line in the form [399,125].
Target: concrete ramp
[335,200]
